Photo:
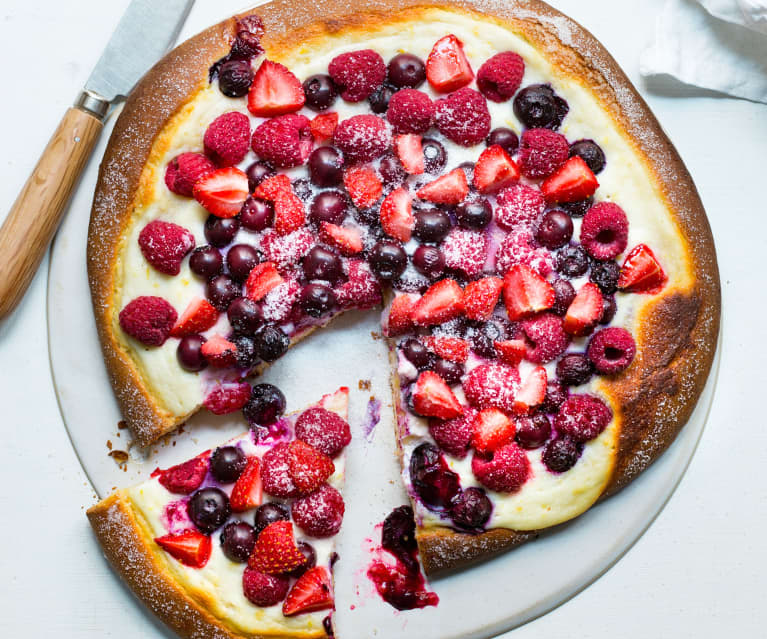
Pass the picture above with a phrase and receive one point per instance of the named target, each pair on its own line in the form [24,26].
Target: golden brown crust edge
[127,549]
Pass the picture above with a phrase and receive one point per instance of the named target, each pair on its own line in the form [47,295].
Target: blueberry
[227,463]
[272,343]
[208,509]
[265,406]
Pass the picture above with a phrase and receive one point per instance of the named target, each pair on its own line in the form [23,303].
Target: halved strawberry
[222,192]
[289,214]
[481,297]
[451,188]
[641,272]
[363,185]
[447,68]
[323,126]
[491,430]
[525,292]
[572,182]
[532,391]
[584,311]
[348,240]
[441,302]
[308,467]
[271,187]
[495,170]
[248,490]
[275,551]
[453,349]
[409,150]
[510,351]
[432,397]
[311,592]
[190,547]
[275,91]
[262,279]
[399,320]
[337,402]
[219,351]
[397,215]
[199,316]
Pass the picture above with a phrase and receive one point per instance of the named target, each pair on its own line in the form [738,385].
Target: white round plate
[480,602]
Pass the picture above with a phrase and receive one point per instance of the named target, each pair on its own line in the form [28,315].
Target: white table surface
[699,569]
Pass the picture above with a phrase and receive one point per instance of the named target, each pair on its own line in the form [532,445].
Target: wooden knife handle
[35,216]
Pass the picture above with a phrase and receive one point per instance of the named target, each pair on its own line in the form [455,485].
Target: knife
[145,32]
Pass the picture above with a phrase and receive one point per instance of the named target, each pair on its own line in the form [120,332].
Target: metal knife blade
[146,31]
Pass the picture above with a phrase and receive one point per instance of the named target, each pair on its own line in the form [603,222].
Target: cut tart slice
[238,541]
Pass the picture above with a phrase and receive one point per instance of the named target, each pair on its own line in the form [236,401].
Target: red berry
[451,188]
[357,74]
[164,245]
[227,398]
[611,350]
[287,250]
[323,126]
[148,319]
[397,215]
[443,301]
[491,385]
[222,192]
[517,248]
[275,472]
[510,351]
[190,547]
[272,186]
[321,513]
[308,467]
[432,397]
[247,490]
[583,417]
[362,138]
[198,317]
[491,430]
[465,251]
[494,170]
[409,150]
[506,471]
[542,152]
[363,185]
[453,349]
[499,77]
[546,338]
[410,111]
[185,478]
[641,272]
[289,214]
[585,310]
[347,239]
[361,289]
[275,91]
[519,205]
[311,592]
[227,138]
[264,590]
[276,552]
[219,351]
[324,430]
[399,319]
[262,279]
[525,293]
[184,170]
[532,391]
[481,297]
[284,141]
[573,182]
[605,231]
[454,435]
[463,117]
[447,67]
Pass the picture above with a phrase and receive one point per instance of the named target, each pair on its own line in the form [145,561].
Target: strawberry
[453,349]
[222,192]
[584,311]
[311,592]
[641,272]
[397,215]
[511,351]
[199,316]
[308,467]
[495,170]
[432,397]
[572,182]
[450,188]
[275,91]
[190,547]
[410,152]
[441,302]
[262,279]
[275,551]
[323,126]
[532,391]
[272,186]
[491,430]
[526,293]
[289,213]
[399,320]
[219,351]
[447,68]
[248,490]
[481,297]
[363,185]
[347,239]
[337,402]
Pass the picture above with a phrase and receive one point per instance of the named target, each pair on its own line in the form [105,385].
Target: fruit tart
[549,278]
[239,541]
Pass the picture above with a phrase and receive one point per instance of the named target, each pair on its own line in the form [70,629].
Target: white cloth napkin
[714,44]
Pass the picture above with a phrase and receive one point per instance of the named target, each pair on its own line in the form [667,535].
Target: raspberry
[465,251]
[505,471]
[357,73]
[605,231]
[611,350]
[518,248]
[264,590]
[319,514]
[546,338]
[499,77]
[362,138]
[226,139]
[286,251]
[227,398]
[463,117]
[184,170]
[148,319]
[453,435]
[519,205]
[285,141]
[275,472]
[491,385]
[324,430]
[541,152]
[362,289]
[583,417]
[164,245]
[410,111]
[184,479]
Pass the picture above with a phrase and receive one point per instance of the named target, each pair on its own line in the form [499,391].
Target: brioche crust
[676,333]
